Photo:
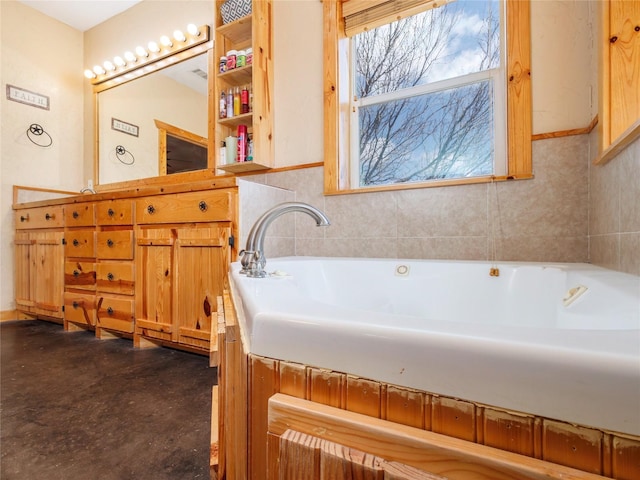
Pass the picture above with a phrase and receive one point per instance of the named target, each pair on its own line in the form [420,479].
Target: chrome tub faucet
[253,259]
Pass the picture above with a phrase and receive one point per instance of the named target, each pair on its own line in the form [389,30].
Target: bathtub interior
[566,296]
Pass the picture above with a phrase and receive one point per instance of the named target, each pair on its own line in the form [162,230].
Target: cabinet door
[623,43]
[25,281]
[49,274]
[154,270]
[201,262]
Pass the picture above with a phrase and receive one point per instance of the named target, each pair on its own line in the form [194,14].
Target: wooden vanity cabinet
[115,269]
[39,262]
[182,256]
[80,266]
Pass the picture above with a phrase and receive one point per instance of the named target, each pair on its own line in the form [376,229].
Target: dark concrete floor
[74,407]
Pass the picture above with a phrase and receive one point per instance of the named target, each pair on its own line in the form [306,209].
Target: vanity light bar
[154,53]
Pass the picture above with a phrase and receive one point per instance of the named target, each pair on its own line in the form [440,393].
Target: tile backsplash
[614,212]
[571,211]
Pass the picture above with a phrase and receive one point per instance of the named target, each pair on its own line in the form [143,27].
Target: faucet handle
[246,260]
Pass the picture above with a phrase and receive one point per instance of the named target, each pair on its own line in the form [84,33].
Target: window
[416,94]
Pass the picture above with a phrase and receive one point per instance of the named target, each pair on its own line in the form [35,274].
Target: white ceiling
[80,14]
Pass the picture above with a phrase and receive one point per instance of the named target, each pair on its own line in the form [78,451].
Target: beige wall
[44,56]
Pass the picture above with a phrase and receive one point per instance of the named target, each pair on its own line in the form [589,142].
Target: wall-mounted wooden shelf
[253,31]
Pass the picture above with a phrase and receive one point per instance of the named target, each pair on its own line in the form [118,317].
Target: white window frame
[496,75]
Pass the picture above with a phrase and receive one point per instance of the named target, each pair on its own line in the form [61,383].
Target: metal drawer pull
[110,243]
[203,206]
[151,209]
[76,273]
[75,242]
[75,214]
[48,216]
[110,212]
[75,304]
[110,311]
[110,276]
[24,218]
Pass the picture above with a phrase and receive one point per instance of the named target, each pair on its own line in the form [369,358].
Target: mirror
[154,120]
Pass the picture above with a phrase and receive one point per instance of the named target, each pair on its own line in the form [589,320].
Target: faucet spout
[253,259]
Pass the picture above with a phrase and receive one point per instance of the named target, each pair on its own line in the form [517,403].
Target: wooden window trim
[336,102]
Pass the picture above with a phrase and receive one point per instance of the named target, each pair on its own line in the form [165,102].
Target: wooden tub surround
[278,419]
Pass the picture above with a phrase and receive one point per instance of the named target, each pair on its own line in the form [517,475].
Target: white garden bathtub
[557,340]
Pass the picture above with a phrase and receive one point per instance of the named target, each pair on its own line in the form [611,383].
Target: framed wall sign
[27,97]
[124,127]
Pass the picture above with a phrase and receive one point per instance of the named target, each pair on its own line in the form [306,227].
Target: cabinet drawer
[80,243]
[205,206]
[116,314]
[114,277]
[115,212]
[81,275]
[115,245]
[80,215]
[80,308]
[40,217]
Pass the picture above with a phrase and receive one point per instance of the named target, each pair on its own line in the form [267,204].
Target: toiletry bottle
[223,152]
[231,59]
[232,146]
[230,103]
[244,100]
[241,59]
[223,105]
[236,102]
[249,149]
[242,143]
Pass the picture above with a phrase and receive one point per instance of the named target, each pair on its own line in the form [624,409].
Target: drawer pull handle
[110,212]
[76,273]
[110,311]
[110,243]
[48,216]
[75,242]
[24,218]
[75,304]
[151,210]
[75,214]
[110,276]
[203,206]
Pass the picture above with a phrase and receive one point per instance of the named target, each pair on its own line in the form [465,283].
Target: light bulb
[153,47]
[166,41]
[109,66]
[141,52]
[130,57]
[119,61]
[89,74]
[193,30]
[179,36]
[98,70]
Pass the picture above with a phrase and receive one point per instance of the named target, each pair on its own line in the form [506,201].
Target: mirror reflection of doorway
[184,156]
[180,150]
